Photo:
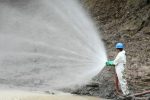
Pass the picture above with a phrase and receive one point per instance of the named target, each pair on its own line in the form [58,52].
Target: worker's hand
[109,63]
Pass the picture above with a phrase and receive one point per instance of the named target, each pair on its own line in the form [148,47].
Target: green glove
[110,63]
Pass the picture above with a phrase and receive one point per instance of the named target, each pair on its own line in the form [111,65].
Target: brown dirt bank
[127,21]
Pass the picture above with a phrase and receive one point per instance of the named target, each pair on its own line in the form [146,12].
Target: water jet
[47,44]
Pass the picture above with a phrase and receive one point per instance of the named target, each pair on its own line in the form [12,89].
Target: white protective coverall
[119,63]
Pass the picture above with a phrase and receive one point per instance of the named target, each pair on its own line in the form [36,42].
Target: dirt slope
[127,21]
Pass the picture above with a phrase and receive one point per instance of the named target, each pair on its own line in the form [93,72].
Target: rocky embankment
[127,21]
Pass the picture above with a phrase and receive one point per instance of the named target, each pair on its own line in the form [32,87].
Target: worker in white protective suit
[120,62]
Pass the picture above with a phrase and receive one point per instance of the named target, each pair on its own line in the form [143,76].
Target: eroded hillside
[127,21]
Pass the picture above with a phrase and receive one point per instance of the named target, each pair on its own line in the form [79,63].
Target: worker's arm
[116,61]
[113,63]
